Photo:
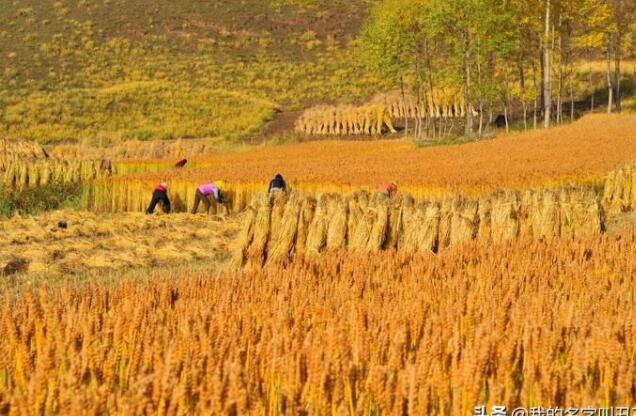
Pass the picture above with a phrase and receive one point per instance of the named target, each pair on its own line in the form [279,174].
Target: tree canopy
[498,52]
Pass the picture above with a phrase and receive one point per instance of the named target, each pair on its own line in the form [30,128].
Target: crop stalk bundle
[287,226]
[440,103]
[13,151]
[345,120]
[619,194]
[23,173]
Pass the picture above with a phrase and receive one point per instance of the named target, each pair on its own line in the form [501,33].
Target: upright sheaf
[276,229]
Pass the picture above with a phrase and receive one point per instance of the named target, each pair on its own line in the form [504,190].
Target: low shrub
[35,200]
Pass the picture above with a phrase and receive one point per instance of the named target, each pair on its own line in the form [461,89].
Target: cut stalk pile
[279,227]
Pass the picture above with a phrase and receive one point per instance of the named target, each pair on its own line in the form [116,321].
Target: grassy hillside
[276,53]
[134,110]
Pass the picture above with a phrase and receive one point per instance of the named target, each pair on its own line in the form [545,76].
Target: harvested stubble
[33,173]
[341,334]
[620,190]
[366,223]
[119,241]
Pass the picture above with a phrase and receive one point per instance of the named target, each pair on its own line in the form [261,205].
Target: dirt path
[283,123]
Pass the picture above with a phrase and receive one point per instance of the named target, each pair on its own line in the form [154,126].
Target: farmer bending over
[277,184]
[203,193]
[159,195]
[389,189]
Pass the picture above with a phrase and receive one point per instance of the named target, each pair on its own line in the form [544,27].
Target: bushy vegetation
[36,200]
[503,54]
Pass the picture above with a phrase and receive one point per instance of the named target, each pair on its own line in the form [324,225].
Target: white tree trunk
[547,57]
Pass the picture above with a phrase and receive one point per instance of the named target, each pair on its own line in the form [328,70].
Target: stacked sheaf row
[131,193]
[275,228]
[438,104]
[137,150]
[376,117]
[371,119]
[126,194]
[24,173]
[13,151]
[620,190]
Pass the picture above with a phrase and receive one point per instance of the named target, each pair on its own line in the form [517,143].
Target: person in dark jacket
[277,184]
[159,195]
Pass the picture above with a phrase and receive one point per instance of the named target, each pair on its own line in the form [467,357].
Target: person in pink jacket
[203,194]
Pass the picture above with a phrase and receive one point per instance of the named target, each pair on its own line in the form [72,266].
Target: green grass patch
[134,110]
[31,201]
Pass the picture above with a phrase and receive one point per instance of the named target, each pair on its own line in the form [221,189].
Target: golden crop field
[580,152]
[435,250]
[518,324]
[36,245]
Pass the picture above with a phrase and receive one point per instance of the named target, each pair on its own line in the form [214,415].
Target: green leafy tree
[392,43]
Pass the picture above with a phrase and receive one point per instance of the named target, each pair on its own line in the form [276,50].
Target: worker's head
[392,188]
[164,184]
[278,176]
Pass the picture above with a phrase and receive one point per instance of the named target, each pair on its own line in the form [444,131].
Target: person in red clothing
[159,195]
[389,189]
